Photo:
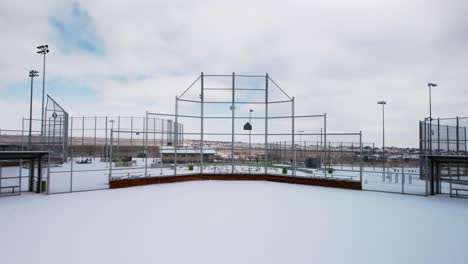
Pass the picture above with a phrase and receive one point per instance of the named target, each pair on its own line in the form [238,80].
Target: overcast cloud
[335,57]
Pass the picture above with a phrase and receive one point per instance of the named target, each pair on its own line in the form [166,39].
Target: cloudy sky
[335,57]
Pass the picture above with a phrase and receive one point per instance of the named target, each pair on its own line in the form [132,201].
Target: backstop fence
[444,155]
[221,125]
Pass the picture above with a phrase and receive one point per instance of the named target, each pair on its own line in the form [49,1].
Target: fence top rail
[230,89]
[280,102]
[426,120]
[235,75]
[230,102]
[298,116]
[187,100]
[108,117]
[270,134]
[253,117]
[453,118]
[16,130]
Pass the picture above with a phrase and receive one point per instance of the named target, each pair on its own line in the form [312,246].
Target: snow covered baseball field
[232,222]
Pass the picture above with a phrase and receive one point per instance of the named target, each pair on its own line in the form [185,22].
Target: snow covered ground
[232,222]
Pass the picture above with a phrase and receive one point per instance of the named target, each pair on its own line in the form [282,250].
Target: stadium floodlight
[43,49]
[33,73]
[383,103]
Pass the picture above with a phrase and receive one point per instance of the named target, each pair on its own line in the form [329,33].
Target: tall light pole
[43,49]
[430,85]
[32,74]
[383,103]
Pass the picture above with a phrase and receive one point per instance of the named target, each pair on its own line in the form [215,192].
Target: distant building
[187,154]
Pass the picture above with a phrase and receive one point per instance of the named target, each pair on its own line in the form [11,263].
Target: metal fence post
[403,179]
[233,107]
[175,134]
[325,142]
[110,155]
[449,167]
[118,136]
[438,134]
[146,144]
[21,175]
[465,139]
[71,154]
[71,170]
[202,129]
[292,138]
[1,173]
[106,153]
[161,145]
[48,173]
[341,153]
[266,123]
[360,157]
[457,137]
[448,140]
[131,136]
[154,138]
[82,132]
[22,135]
[95,135]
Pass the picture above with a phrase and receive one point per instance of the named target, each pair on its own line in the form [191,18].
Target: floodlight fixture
[43,49]
[33,73]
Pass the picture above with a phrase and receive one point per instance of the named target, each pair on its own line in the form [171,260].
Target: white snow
[232,222]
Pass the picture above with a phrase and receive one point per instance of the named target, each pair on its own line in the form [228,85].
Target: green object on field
[190,167]
[43,186]
[331,170]
[285,170]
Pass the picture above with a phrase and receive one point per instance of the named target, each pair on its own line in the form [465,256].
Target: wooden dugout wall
[334,183]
